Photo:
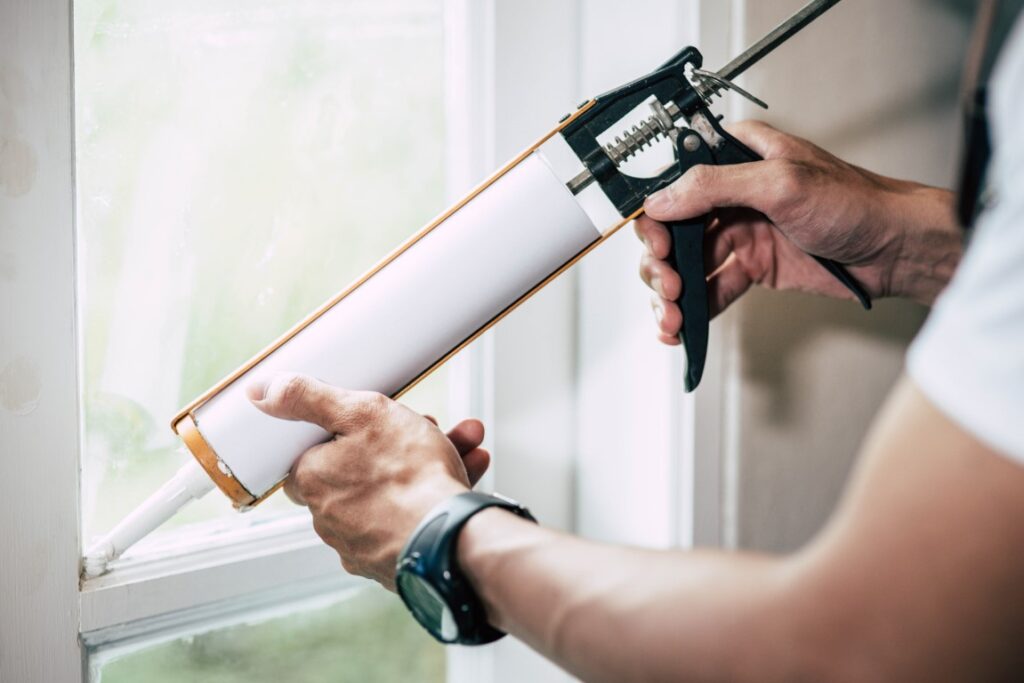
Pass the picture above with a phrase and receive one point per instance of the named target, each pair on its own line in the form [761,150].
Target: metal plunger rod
[744,61]
[780,34]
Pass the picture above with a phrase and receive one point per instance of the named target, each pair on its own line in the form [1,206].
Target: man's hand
[896,238]
[386,467]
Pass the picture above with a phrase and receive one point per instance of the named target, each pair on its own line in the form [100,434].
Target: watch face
[427,606]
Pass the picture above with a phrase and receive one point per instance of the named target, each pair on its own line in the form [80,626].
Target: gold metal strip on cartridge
[252,362]
[514,305]
[208,460]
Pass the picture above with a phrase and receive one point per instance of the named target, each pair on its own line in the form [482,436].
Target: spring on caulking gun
[661,123]
[631,142]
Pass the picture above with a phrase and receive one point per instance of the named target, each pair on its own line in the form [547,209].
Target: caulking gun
[539,214]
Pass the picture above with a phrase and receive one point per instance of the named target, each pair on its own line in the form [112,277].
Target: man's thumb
[705,188]
[291,396]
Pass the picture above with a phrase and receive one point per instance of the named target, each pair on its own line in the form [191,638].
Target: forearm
[612,614]
[927,242]
[870,599]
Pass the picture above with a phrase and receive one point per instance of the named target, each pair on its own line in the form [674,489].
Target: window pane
[238,162]
[368,637]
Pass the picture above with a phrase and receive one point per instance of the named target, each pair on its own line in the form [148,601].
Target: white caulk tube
[398,323]
[188,483]
[420,305]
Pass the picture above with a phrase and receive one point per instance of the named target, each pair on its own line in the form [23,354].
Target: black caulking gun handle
[687,255]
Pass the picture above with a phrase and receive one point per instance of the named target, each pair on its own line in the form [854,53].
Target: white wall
[875,82]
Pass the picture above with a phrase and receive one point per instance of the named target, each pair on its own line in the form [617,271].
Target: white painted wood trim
[111,642]
[469,152]
[182,578]
[517,78]
[639,468]
[183,571]
[39,427]
[713,24]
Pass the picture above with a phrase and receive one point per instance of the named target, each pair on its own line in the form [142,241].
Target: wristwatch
[430,581]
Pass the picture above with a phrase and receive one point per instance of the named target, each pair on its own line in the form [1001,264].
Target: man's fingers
[299,397]
[669,339]
[467,435]
[291,484]
[660,277]
[729,283]
[668,316]
[311,473]
[476,463]
[654,235]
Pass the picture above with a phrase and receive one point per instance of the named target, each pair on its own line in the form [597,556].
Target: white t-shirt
[969,359]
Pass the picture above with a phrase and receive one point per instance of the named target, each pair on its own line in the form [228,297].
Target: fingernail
[656,285]
[659,312]
[658,202]
[257,390]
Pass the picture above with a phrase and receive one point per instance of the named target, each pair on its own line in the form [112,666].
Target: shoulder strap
[994,22]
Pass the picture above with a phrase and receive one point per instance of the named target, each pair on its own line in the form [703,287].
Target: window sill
[181,572]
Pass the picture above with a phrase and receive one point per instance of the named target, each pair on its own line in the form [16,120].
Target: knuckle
[699,179]
[291,488]
[291,390]
[758,126]
[349,565]
[301,484]
[305,477]
[747,127]
[375,406]
[673,192]
[322,529]
[380,401]
[790,180]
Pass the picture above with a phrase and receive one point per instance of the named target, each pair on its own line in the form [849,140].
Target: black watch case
[430,582]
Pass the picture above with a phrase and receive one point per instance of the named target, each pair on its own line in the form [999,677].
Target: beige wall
[874,81]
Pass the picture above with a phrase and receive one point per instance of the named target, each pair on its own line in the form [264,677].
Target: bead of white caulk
[188,483]
[96,559]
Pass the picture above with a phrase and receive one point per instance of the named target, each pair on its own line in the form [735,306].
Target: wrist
[486,547]
[928,244]
[429,489]
[431,579]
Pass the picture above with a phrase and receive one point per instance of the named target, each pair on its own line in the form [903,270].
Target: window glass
[238,162]
[367,637]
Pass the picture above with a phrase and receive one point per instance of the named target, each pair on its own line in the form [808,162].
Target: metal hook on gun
[719,83]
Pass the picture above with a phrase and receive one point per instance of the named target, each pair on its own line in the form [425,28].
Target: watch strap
[430,554]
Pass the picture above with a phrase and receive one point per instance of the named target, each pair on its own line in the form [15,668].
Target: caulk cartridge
[401,320]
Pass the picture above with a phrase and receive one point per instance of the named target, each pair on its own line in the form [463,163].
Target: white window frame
[40,520]
[499,102]
[51,617]
[677,440]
